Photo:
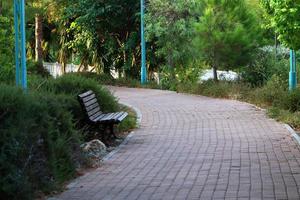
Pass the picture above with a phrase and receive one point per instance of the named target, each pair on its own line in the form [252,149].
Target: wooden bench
[95,116]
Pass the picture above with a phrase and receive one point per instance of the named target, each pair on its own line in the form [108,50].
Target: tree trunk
[63,67]
[171,68]
[215,73]
[38,38]
[276,45]
[0,7]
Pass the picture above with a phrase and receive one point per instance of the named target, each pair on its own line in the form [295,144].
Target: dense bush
[286,116]
[105,79]
[7,54]
[41,132]
[222,89]
[38,143]
[72,85]
[270,94]
[37,68]
[263,67]
[290,101]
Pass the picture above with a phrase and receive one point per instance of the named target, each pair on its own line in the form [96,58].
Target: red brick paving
[191,147]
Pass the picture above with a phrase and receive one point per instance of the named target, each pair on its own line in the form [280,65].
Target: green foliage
[290,101]
[285,116]
[184,77]
[269,94]
[129,122]
[169,25]
[37,68]
[37,142]
[227,34]
[105,79]
[40,133]
[222,89]
[263,67]
[167,79]
[284,17]
[104,33]
[73,85]
[6,50]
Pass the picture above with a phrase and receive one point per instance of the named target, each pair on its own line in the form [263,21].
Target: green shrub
[290,101]
[105,79]
[129,122]
[102,78]
[222,89]
[263,67]
[72,85]
[38,143]
[37,68]
[167,81]
[270,94]
[291,118]
[7,74]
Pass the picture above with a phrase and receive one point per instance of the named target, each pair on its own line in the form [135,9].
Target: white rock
[94,149]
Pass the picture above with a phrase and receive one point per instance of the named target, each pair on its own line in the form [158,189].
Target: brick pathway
[191,147]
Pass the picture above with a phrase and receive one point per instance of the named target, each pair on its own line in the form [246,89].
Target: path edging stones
[293,133]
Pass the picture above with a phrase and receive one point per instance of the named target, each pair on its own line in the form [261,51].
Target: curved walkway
[192,147]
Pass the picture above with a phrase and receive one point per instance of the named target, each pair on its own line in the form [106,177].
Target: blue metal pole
[292,75]
[17,50]
[143,45]
[23,45]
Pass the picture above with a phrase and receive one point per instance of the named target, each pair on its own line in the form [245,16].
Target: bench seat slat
[117,115]
[108,117]
[121,117]
[89,98]
[94,111]
[90,102]
[86,94]
[91,107]
[96,115]
[103,118]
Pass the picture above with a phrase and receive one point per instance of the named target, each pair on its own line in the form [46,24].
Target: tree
[38,8]
[284,16]
[227,34]
[105,34]
[0,7]
[169,24]
[6,50]
[38,38]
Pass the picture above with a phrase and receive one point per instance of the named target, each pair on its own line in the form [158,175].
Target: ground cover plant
[41,133]
[39,143]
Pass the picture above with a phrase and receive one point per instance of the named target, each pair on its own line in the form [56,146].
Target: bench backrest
[89,101]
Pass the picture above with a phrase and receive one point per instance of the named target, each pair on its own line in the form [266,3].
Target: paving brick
[193,147]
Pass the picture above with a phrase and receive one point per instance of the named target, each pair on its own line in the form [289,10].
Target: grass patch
[129,123]
[285,116]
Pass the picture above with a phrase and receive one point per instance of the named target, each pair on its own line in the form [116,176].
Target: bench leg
[105,135]
[111,127]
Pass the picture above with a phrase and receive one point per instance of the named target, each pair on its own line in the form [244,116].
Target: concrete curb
[293,133]
[138,122]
